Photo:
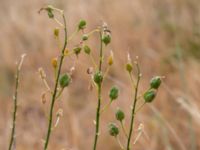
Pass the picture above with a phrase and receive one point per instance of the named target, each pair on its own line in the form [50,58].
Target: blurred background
[165,34]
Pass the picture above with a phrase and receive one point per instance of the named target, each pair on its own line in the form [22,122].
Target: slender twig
[123,129]
[133,107]
[92,60]
[56,86]
[97,122]
[119,142]
[105,107]
[12,137]
[140,107]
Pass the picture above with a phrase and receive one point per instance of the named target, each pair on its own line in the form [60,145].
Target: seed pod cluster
[150,95]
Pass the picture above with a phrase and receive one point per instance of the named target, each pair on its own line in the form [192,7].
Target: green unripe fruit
[149,95]
[113,129]
[87,49]
[77,50]
[129,67]
[119,115]
[82,24]
[85,37]
[106,38]
[98,77]
[114,92]
[155,82]
[64,81]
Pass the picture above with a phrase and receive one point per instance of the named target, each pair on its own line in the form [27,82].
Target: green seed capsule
[77,50]
[82,24]
[114,92]
[106,38]
[129,67]
[85,37]
[98,77]
[113,129]
[64,81]
[119,115]
[149,95]
[155,82]
[87,49]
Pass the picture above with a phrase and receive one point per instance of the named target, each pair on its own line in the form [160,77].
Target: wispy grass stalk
[15,99]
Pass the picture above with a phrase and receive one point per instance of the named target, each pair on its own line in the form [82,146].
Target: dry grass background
[165,34]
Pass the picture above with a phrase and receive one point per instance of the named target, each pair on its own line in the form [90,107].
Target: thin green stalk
[56,86]
[123,129]
[12,137]
[106,107]
[99,96]
[133,108]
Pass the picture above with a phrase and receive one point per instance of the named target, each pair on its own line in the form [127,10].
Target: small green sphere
[82,24]
[85,37]
[113,129]
[87,49]
[155,82]
[106,38]
[119,115]
[114,92]
[149,95]
[98,77]
[64,81]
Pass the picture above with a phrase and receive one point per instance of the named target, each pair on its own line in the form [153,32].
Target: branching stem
[99,96]
[55,87]
[133,107]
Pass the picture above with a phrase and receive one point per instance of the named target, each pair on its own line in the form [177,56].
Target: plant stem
[123,129]
[119,142]
[106,107]
[99,96]
[12,137]
[55,87]
[133,107]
